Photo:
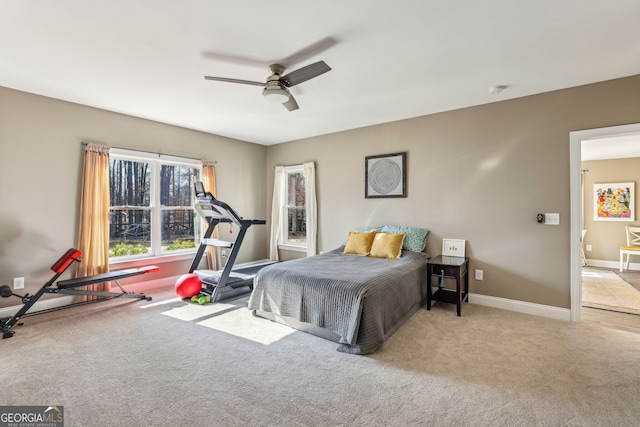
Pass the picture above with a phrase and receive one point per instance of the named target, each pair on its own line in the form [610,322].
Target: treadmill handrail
[208,206]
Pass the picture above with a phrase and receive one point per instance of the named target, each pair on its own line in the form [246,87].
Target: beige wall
[480,174]
[40,174]
[606,237]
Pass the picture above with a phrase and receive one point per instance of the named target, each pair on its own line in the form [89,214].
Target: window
[294,216]
[295,230]
[151,211]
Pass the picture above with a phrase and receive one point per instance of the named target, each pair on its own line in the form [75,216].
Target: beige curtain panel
[214,261]
[93,240]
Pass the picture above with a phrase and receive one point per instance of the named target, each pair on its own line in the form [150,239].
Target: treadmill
[226,283]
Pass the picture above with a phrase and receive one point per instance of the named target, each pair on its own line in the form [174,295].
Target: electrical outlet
[589,248]
[18,283]
[479,275]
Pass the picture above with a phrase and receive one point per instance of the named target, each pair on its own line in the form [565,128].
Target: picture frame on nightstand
[453,247]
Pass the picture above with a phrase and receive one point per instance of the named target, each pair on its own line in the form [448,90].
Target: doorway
[575,141]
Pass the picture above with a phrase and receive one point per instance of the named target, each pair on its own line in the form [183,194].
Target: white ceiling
[390,60]
[615,147]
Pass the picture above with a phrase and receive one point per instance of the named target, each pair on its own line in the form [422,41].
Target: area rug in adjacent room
[605,290]
[631,277]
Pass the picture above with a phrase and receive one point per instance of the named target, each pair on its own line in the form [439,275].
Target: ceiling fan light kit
[276,94]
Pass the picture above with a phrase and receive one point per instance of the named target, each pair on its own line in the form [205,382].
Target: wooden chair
[632,248]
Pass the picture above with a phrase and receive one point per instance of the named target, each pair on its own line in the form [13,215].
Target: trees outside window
[151,208]
[296,212]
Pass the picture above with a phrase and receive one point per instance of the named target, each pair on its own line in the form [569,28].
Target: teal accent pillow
[415,240]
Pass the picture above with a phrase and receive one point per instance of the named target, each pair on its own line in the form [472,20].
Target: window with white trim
[151,209]
[294,217]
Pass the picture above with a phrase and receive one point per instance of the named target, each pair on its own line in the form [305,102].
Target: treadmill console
[208,206]
[199,189]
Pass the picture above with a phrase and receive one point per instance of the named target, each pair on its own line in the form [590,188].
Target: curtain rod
[295,164]
[215,162]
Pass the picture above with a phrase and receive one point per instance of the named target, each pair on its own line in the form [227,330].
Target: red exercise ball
[188,285]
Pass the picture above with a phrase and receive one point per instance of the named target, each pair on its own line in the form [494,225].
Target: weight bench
[68,287]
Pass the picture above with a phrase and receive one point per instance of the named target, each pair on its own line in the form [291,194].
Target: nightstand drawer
[444,270]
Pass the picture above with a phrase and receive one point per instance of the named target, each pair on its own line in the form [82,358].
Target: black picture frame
[385,176]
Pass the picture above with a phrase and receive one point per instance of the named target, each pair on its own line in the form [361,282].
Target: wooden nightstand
[452,268]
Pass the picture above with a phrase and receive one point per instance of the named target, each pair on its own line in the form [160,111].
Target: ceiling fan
[276,87]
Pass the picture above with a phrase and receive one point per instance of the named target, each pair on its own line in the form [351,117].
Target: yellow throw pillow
[359,243]
[387,245]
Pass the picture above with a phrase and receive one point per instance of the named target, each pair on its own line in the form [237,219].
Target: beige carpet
[168,363]
[605,290]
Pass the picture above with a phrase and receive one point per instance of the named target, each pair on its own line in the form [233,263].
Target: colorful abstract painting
[614,202]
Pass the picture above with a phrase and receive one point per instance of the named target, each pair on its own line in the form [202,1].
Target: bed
[357,299]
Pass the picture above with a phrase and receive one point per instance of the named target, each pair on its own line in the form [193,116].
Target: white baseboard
[64,300]
[253,263]
[40,305]
[521,307]
[611,264]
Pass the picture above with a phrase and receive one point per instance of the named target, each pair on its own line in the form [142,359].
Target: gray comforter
[363,300]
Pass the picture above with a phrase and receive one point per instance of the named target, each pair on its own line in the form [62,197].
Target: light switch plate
[552,218]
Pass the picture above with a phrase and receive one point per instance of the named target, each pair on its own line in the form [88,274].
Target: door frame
[575,166]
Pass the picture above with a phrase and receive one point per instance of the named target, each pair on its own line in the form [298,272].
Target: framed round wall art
[385,176]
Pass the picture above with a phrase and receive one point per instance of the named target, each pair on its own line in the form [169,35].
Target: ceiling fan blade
[225,79]
[291,104]
[242,60]
[307,52]
[305,73]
